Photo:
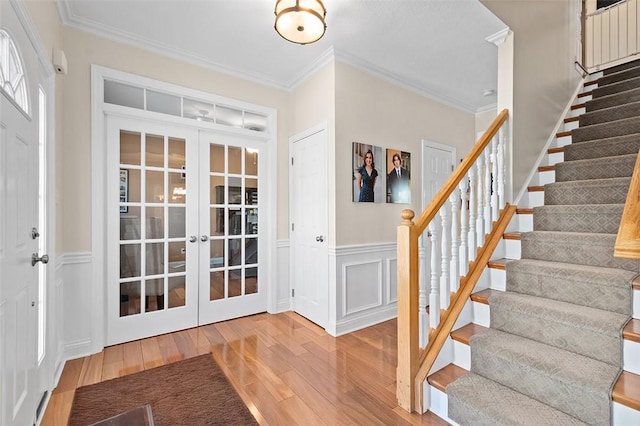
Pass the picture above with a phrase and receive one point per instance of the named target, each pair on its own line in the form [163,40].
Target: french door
[182,228]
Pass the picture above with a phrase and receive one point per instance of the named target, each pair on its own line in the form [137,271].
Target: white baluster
[487,190]
[434,293]
[480,207]
[464,226]
[454,201]
[423,294]
[494,179]
[445,291]
[501,166]
[473,207]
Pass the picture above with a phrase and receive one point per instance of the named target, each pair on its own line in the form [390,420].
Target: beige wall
[484,120]
[372,111]
[544,77]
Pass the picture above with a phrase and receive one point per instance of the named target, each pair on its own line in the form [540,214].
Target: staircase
[562,347]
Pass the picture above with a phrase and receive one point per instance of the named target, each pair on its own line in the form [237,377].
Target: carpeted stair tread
[621,145]
[598,218]
[574,247]
[598,287]
[594,333]
[609,114]
[609,129]
[476,400]
[621,67]
[619,74]
[594,191]
[608,101]
[574,384]
[596,168]
[616,87]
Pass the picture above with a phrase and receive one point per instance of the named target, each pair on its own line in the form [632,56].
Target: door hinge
[292,161]
[292,226]
[452,167]
[293,292]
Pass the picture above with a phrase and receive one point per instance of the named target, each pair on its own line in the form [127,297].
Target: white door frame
[98,178]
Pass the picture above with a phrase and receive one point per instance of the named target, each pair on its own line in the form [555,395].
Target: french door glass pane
[152,223]
[233,202]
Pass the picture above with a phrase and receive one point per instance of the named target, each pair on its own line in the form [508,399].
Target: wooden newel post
[407,310]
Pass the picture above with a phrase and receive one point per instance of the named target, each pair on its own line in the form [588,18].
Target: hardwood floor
[286,369]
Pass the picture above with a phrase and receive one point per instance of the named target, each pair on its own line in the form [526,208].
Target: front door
[309,225]
[19,162]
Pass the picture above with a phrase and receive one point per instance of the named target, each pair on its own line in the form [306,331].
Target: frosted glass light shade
[300,21]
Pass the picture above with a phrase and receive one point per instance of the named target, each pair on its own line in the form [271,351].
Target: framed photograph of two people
[380,175]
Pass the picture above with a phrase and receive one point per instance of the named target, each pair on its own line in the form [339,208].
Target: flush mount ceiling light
[300,21]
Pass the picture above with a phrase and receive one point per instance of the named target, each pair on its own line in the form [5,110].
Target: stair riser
[580,252]
[618,75]
[598,149]
[613,100]
[593,193]
[564,336]
[600,296]
[522,378]
[614,88]
[606,130]
[610,114]
[569,220]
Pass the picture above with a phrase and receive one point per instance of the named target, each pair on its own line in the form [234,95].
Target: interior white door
[438,163]
[309,225]
[232,275]
[18,215]
[152,218]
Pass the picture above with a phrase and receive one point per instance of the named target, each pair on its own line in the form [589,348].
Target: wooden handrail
[452,183]
[409,232]
[438,337]
[628,240]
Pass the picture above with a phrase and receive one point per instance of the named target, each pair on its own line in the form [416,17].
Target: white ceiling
[438,48]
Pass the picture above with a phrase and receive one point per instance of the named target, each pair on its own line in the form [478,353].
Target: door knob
[319,238]
[34,233]
[193,239]
[204,238]
[35,259]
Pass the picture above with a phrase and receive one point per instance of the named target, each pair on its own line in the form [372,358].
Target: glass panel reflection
[216,184]
[177,256]
[177,222]
[130,147]
[130,224]
[130,260]
[177,188]
[251,281]
[129,298]
[251,226]
[217,221]
[235,221]
[235,190]
[176,153]
[251,192]
[177,292]
[235,252]
[251,162]
[235,283]
[154,290]
[154,152]
[255,122]
[216,285]
[216,158]
[155,222]
[251,251]
[216,257]
[235,160]
[154,186]
[228,116]
[133,187]
[154,260]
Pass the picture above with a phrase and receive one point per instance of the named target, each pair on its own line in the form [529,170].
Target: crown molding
[320,62]
[499,37]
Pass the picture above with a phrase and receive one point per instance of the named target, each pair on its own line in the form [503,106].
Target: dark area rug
[190,392]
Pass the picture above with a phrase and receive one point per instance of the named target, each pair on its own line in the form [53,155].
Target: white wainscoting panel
[77,316]
[365,287]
